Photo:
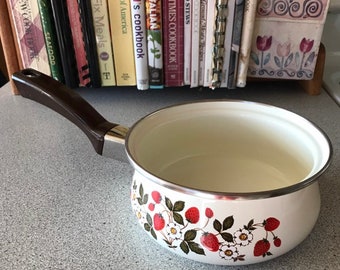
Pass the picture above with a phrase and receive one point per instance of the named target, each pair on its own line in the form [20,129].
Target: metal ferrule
[114,143]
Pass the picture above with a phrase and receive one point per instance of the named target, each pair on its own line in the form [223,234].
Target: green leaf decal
[153,233]
[168,203]
[149,219]
[190,235]
[194,247]
[178,218]
[217,225]
[179,206]
[227,237]
[255,58]
[141,191]
[145,198]
[228,223]
[147,227]
[184,247]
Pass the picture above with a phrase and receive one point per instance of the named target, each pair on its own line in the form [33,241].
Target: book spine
[155,43]
[103,42]
[8,44]
[30,37]
[209,43]
[64,36]
[202,38]
[89,39]
[122,41]
[235,45]
[187,41]
[227,42]
[78,43]
[219,36]
[195,41]
[51,41]
[173,42]
[139,43]
[246,40]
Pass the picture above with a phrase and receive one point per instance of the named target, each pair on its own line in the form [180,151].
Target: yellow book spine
[122,41]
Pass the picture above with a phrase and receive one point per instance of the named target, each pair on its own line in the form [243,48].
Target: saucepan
[223,182]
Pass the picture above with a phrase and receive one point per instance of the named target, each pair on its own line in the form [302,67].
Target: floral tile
[286,38]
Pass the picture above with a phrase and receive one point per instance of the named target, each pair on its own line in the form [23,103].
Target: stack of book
[164,43]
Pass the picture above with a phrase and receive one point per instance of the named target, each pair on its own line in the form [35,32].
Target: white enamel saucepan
[221,182]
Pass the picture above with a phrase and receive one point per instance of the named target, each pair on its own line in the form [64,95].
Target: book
[8,44]
[187,42]
[209,41]
[173,38]
[139,43]
[89,39]
[64,36]
[29,35]
[103,42]
[246,39]
[227,43]
[122,41]
[155,43]
[195,42]
[51,42]
[78,43]
[202,38]
[235,44]
[219,37]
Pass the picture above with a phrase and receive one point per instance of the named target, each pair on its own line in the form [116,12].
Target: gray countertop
[65,207]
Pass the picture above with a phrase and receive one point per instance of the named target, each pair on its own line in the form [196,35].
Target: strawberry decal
[192,215]
[187,228]
[158,222]
[261,248]
[210,241]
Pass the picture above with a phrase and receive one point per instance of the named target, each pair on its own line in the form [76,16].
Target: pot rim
[228,195]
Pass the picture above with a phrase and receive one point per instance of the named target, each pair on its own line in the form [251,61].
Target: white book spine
[139,43]
[187,41]
[195,40]
[209,42]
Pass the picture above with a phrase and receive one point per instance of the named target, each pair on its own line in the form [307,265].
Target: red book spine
[78,43]
[173,42]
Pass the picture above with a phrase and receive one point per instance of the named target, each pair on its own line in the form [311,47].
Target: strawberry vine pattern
[176,225]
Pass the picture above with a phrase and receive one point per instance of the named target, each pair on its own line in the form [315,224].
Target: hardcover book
[90,41]
[173,39]
[195,42]
[103,42]
[64,35]
[122,41]
[202,38]
[29,34]
[51,40]
[187,42]
[78,43]
[139,43]
[286,41]
[155,43]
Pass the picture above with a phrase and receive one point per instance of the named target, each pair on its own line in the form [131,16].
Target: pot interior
[228,146]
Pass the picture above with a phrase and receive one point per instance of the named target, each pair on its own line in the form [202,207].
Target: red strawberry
[158,222]
[192,215]
[277,242]
[156,196]
[151,206]
[261,247]
[209,213]
[271,224]
[210,241]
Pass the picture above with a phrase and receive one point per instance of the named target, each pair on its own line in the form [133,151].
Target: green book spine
[51,41]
